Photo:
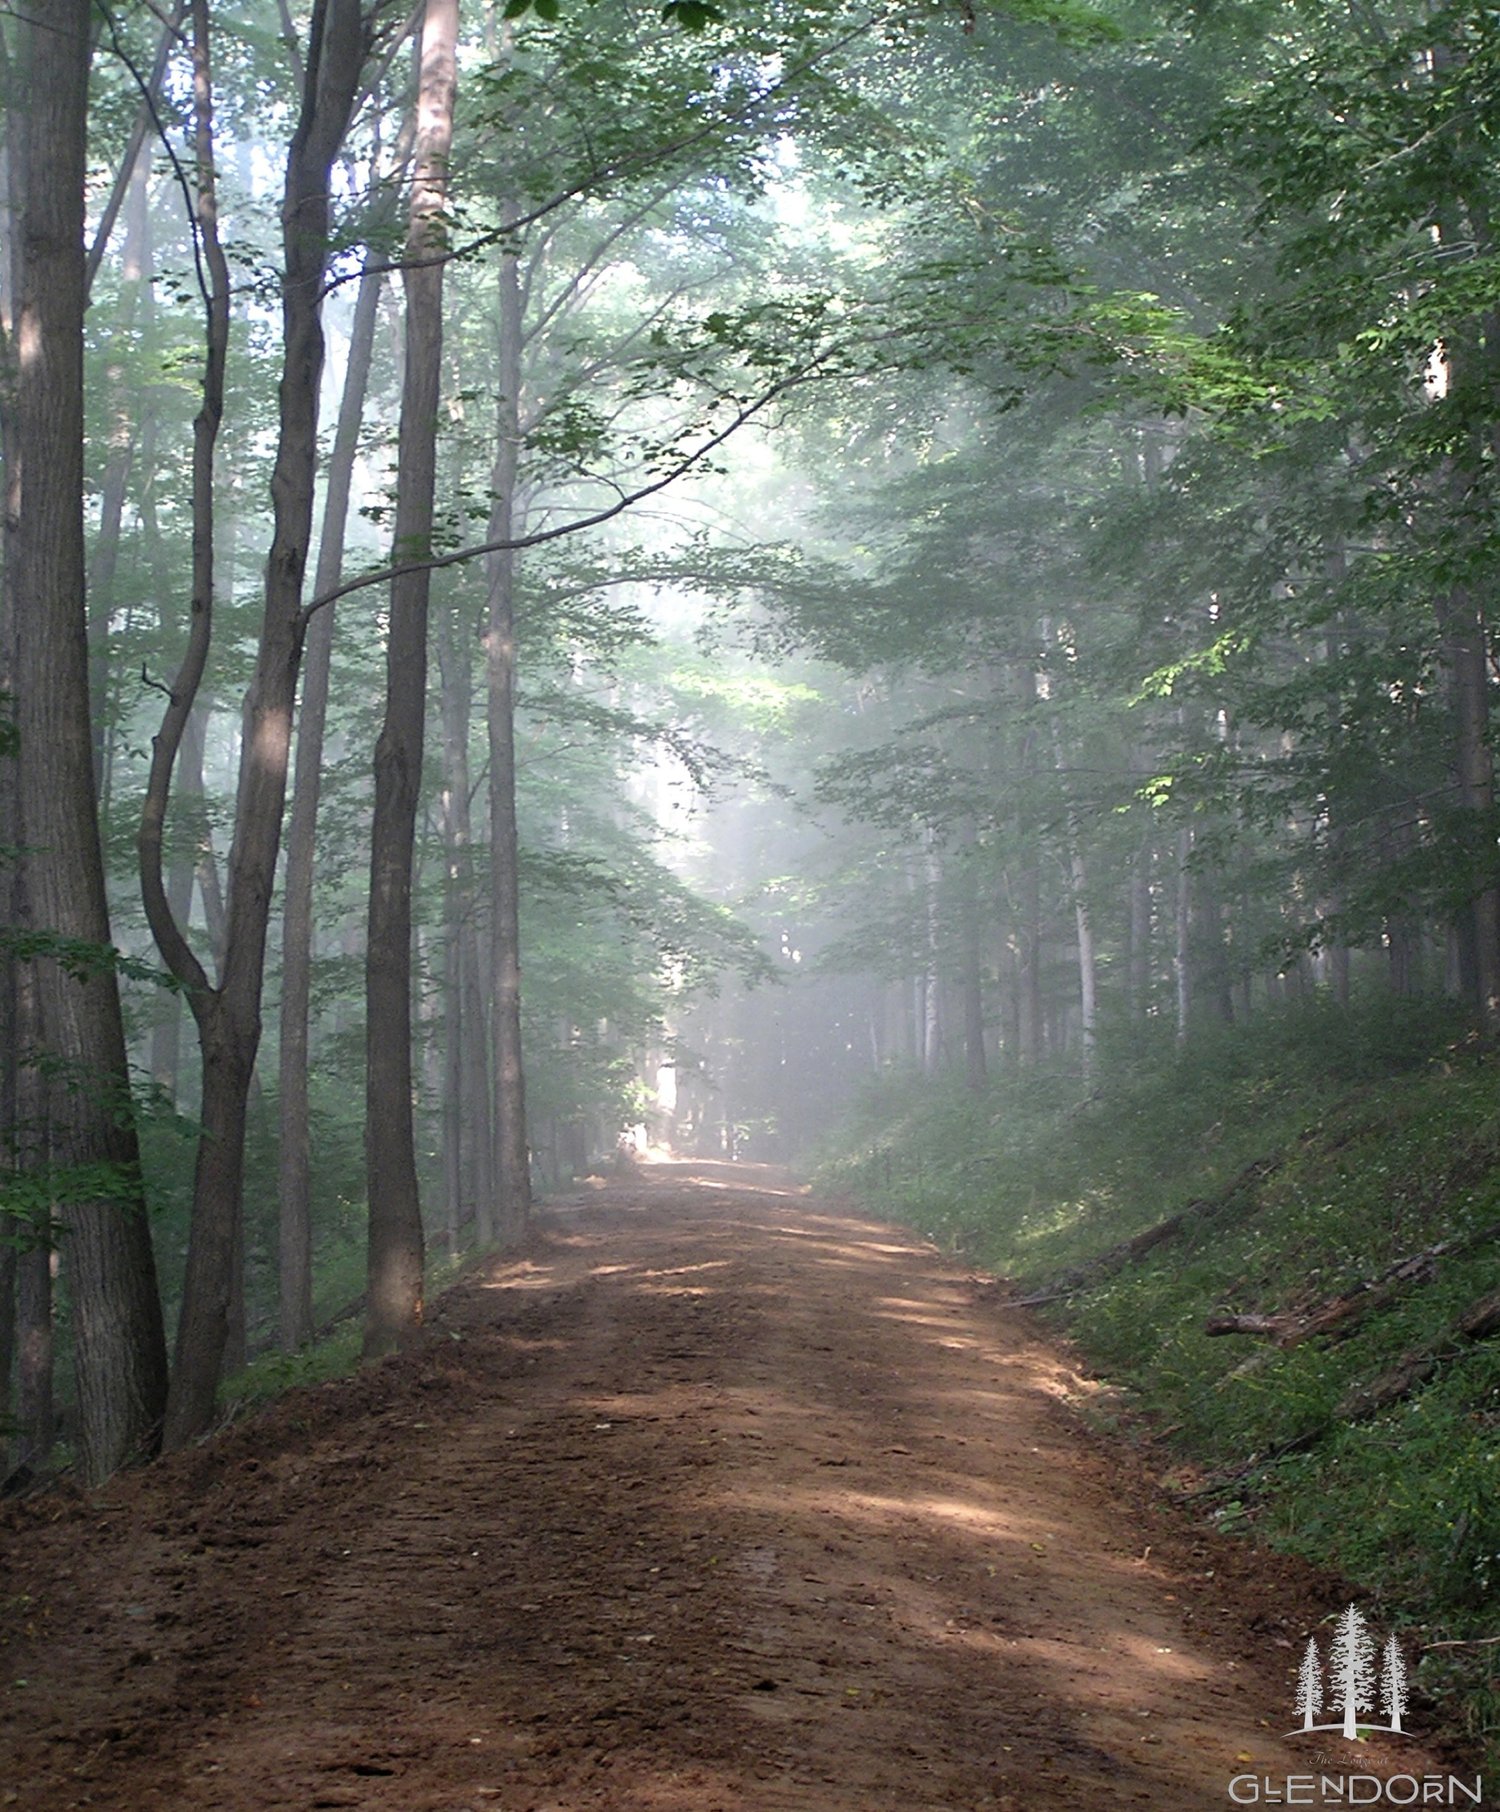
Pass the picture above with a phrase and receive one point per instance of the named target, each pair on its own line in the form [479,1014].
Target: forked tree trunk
[169,1011]
[228,1016]
[394,1303]
[119,1348]
[512,1148]
[166,1033]
[294,1176]
[202,1327]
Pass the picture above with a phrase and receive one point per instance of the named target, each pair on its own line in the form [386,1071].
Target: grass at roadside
[336,1351]
[1307,1157]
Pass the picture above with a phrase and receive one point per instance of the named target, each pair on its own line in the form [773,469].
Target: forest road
[715,1497]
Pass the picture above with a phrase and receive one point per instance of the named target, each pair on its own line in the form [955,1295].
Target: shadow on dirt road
[715,1497]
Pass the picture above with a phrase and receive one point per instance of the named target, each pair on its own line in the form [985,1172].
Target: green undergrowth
[1307,1155]
[336,1352]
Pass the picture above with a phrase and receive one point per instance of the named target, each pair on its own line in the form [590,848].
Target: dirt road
[717,1498]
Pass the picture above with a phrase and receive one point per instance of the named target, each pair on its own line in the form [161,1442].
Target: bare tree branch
[170,35]
[148,101]
[515,544]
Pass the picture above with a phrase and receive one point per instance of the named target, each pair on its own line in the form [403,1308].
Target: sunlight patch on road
[945,1513]
[954,1512]
[853,1251]
[1155,1656]
[712,1264]
[525,1274]
[738,1188]
[914,1314]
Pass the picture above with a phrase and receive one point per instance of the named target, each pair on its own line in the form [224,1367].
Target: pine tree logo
[1310,1687]
[1351,1681]
[1393,1684]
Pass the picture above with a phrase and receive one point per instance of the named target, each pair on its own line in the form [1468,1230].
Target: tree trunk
[467,1139]
[971,957]
[118,1341]
[202,1326]
[12,897]
[1138,960]
[229,1017]
[512,1149]
[1471,360]
[122,438]
[1214,951]
[1466,651]
[166,1031]
[395,1256]
[7,1315]
[294,1177]
[1336,947]
[35,1414]
[31,1258]
[451,1097]
[1010,1002]
[932,1000]
[1028,914]
[1182,955]
[1088,984]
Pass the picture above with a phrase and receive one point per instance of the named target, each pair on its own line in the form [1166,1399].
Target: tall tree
[228,1014]
[295,1174]
[512,1146]
[396,1241]
[91,1167]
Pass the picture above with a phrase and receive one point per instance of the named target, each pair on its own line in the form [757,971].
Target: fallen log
[1128,1251]
[1275,1326]
[1289,1327]
[1481,1321]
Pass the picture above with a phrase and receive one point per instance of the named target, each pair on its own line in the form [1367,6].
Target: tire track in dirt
[715,1497]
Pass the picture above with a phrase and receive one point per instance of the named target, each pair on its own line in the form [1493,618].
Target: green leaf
[82,959]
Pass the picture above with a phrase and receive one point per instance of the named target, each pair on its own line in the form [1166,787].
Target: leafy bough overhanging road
[717,1497]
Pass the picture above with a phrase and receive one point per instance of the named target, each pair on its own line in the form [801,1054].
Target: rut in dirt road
[716,1498]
